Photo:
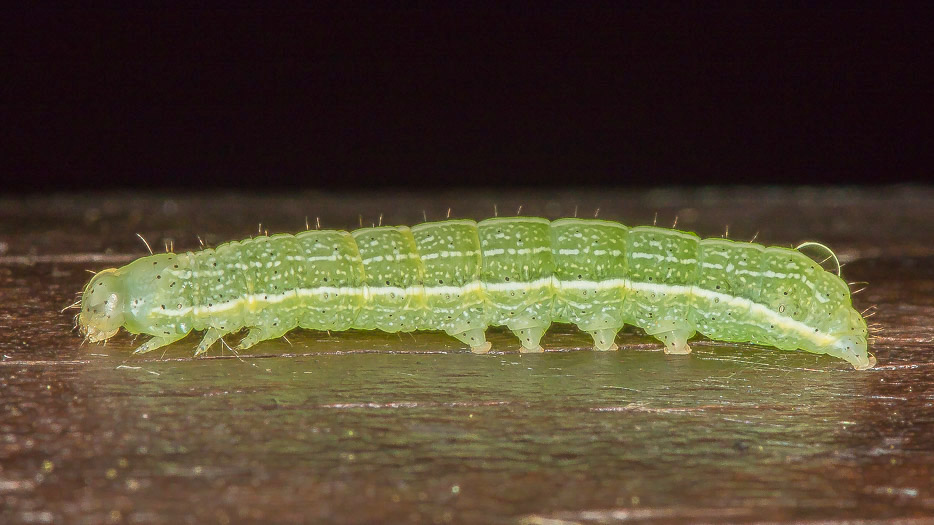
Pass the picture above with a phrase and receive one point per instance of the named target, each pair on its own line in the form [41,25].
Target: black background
[327,97]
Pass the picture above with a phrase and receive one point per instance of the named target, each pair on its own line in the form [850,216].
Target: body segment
[461,277]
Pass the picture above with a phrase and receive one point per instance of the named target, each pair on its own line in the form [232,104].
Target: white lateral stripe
[659,257]
[515,251]
[445,254]
[381,258]
[757,309]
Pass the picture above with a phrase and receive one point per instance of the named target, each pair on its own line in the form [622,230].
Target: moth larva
[461,277]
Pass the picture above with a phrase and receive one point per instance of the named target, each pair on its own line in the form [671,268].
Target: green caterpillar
[461,277]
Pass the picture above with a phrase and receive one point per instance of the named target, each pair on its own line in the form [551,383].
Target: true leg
[210,337]
[158,341]
[262,333]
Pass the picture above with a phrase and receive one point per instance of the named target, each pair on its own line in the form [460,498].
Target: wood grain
[367,427]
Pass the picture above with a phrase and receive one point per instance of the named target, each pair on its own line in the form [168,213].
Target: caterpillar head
[102,306]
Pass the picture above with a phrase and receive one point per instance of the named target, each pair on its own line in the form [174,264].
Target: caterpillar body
[460,277]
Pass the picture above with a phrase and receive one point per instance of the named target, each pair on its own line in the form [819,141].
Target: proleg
[461,277]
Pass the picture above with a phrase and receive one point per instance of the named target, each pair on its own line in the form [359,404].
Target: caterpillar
[461,276]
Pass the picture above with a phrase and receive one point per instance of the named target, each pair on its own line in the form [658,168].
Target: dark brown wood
[367,427]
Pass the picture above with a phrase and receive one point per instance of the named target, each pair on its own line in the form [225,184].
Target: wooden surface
[366,427]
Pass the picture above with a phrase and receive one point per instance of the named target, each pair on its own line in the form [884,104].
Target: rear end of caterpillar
[460,277]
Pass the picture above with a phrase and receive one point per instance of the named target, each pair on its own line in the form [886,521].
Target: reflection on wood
[369,427]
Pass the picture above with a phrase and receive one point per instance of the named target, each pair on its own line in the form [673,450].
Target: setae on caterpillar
[461,277]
